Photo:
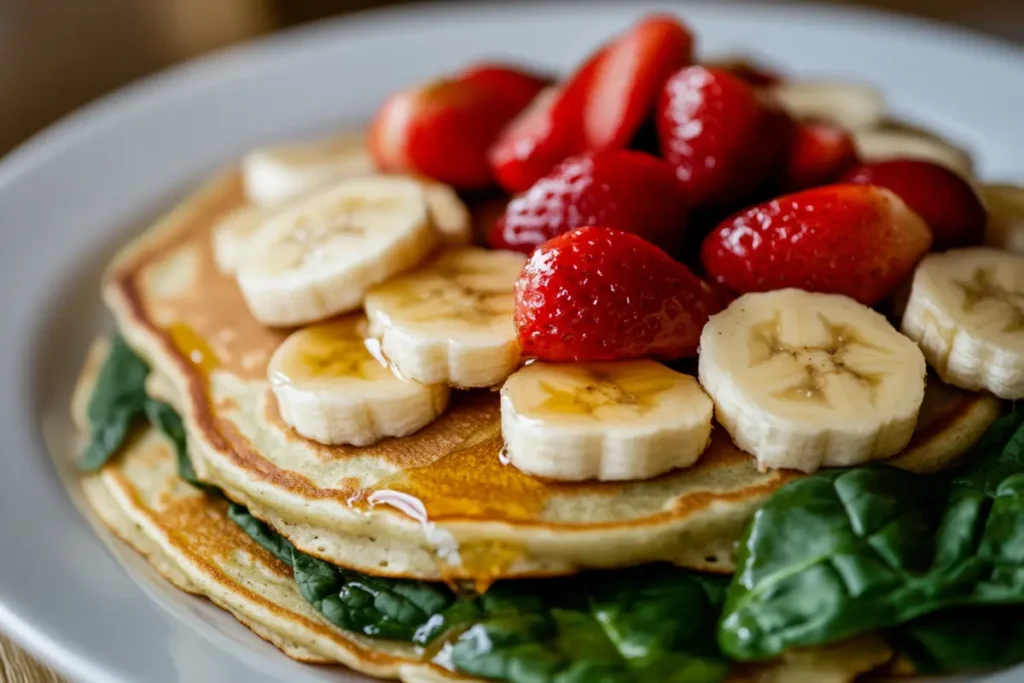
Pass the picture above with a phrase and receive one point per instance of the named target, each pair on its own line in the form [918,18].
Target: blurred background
[56,55]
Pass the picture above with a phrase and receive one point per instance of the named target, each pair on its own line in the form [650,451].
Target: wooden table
[106,43]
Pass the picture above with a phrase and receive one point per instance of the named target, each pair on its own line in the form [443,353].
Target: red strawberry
[514,84]
[621,189]
[546,132]
[598,294]
[819,153]
[723,140]
[946,201]
[441,130]
[857,240]
[627,81]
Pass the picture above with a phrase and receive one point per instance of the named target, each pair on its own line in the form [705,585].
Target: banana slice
[271,175]
[804,380]
[966,311]
[451,321]
[318,257]
[332,389]
[884,144]
[232,233]
[1005,205]
[608,421]
[850,105]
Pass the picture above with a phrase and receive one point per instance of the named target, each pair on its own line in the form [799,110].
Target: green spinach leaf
[847,552]
[163,417]
[629,626]
[275,543]
[963,639]
[116,405]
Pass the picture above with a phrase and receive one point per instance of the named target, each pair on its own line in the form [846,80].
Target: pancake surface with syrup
[444,490]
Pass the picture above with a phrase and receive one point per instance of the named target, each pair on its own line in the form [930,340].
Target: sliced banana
[271,175]
[450,215]
[1005,205]
[232,233]
[318,257]
[883,144]
[332,389]
[609,421]
[804,380]
[966,311]
[451,321]
[851,105]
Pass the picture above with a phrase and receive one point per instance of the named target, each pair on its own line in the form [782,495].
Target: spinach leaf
[394,609]
[117,403]
[847,552]
[963,639]
[275,543]
[652,623]
[163,417]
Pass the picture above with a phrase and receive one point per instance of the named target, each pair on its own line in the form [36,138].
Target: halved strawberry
[546,132]
[441,130]
[511,82]
[819,153]
[626,83]
[724,140]
[618,188]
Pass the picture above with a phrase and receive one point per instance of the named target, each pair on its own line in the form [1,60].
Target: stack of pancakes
[437,506]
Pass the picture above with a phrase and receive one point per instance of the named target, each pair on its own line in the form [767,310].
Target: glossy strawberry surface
[621,189]
[441,130]
[512,82]
[597,294]
[723,139]
[945,200]
[629,77]
[546,132]
[819,153]
[857,240]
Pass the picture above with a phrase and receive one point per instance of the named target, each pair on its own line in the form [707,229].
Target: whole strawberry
[857,240]
[723,139]
[947,203]
[514,83]
[597,294]
[622,189]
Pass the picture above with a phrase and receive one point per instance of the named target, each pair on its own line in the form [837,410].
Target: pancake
[442,490]
[187,535]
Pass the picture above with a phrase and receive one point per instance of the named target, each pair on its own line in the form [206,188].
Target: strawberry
[597,294]
[942,198]
[626,83]
[857,240]
[517,85]
[621,189]
[819,153]
[441,130]
[724,141]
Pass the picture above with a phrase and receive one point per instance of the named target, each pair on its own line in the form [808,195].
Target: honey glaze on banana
[821,363]
[334,349]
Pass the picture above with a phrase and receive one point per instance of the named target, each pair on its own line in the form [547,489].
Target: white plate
[73,193]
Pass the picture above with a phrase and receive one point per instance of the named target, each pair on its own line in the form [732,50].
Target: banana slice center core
[333,350]
[598,390]
[821,367]
[982,290]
